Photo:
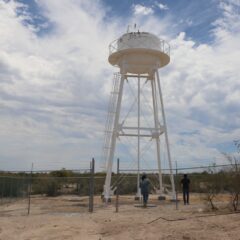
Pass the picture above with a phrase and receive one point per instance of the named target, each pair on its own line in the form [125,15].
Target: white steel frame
[154,133]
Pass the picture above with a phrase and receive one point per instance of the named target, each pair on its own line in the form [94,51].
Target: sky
[55,79]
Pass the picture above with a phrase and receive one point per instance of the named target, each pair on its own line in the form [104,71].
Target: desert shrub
[46,185]
[234,180]
[13,186]
[52,187]
[213,186]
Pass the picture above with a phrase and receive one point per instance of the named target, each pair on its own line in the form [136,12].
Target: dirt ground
[67,217]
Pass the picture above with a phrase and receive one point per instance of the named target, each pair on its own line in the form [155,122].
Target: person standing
[144,186]
[185,182]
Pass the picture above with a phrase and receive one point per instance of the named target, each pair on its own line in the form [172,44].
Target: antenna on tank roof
[132,28]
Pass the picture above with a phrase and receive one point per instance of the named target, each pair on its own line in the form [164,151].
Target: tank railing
[162,46]
[113,47]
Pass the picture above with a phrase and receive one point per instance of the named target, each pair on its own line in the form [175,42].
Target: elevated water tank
[139,52]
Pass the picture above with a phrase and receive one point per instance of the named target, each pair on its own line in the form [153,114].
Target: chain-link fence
[61,192]
[217,186]
[64,191]
[211,187]
[13,188]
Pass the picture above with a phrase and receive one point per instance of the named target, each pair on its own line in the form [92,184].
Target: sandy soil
[67,217]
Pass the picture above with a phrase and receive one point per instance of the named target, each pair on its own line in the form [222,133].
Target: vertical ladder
[110,119]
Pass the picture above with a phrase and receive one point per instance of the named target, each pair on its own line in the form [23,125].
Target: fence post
[3,188]
[22,187]
[176,187]
[30,190]
[78,186]
[91,185]
[10,194]
[117,189]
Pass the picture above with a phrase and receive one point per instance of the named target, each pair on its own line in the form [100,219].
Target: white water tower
[138,55]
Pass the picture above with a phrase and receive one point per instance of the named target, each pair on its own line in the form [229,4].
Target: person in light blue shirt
[144,186]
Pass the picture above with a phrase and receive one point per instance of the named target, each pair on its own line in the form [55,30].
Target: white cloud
[227,26]
[162,6]
[203,88]
[139,9]
[53,85]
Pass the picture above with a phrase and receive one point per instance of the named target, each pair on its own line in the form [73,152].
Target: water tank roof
[141,45]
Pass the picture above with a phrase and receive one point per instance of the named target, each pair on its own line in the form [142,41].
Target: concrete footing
[106,200]
[161,198]
[147,206]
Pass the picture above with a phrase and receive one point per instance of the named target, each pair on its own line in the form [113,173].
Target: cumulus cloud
[54,86]
[139,9]
[206,90]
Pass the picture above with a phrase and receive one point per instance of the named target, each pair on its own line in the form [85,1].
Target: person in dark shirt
[144,185]
[185,182]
